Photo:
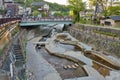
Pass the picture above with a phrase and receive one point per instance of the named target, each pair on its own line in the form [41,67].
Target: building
[113,2]
[1,4]
[1,8]
[11,8]
[42,7]
[21,10]
[111,21]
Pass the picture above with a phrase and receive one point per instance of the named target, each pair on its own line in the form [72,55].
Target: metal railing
[6,20]
[47,19]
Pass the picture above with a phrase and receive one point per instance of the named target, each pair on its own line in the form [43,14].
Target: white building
[1,4]
[113,2]
[21,10]
[109,3]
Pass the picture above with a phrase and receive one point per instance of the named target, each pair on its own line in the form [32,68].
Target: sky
[64,2]
[58,1]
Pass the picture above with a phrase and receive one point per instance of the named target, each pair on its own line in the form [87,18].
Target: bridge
[44,21]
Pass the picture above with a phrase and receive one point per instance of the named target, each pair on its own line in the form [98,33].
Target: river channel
[57,62]
[67,69]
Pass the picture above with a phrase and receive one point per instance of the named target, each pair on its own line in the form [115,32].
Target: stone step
[74,66]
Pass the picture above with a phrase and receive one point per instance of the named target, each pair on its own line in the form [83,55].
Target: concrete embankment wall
[108,43]
[6,41]
[8,34]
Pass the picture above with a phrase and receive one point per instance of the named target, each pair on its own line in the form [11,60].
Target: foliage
[65,13]
[27,2]
[76,6]
[53,6]
[43,14]
[58,14]
[108,10]
[1,11]
[92,2]
[71,13]
[104,3]
[61,14]
[114,10]
[58,7]
[35,13]
[107,33]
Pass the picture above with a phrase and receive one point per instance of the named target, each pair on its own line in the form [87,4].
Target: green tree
[1,11]
[92,3]
[77,6]
[35,13]
[105,5]
[43,14]
[58,14]
[27,2]
[114,10]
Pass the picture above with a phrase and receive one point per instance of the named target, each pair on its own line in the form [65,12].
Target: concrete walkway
[38,66]
[77,56]
[54,49]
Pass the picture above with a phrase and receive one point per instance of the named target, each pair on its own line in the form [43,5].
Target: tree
[92,3]
[58,14]
[114,10]
[76,6]
[101,8]
[35,13]
[1,11]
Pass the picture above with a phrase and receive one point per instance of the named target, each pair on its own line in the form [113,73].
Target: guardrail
[6,20]
[46,19]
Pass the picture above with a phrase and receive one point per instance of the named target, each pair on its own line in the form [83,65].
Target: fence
[47,19]
[6,20]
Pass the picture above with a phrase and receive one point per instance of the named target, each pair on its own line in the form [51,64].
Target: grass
[107,33]
[99,32]
[3,49]
[16,30]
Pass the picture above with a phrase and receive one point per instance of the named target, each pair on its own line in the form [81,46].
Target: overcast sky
[60,1]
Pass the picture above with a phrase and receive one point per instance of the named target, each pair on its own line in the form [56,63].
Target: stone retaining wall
[107,44]
[5,45]
[111,30]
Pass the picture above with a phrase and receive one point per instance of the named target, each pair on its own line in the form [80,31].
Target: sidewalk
[38,66]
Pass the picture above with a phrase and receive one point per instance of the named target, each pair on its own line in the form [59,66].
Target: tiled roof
[116,18]
[38,4]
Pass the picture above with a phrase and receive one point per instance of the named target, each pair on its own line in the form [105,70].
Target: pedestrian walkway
[77,56]
[38,66]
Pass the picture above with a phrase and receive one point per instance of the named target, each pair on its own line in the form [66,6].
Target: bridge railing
[46,19]
[6,20]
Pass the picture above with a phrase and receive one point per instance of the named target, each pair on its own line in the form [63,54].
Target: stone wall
[99,28]
[6,42]
[100,42]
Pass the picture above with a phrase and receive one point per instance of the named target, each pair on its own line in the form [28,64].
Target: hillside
[53,6]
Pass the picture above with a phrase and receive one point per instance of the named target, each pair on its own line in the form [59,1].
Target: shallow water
[56,62]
